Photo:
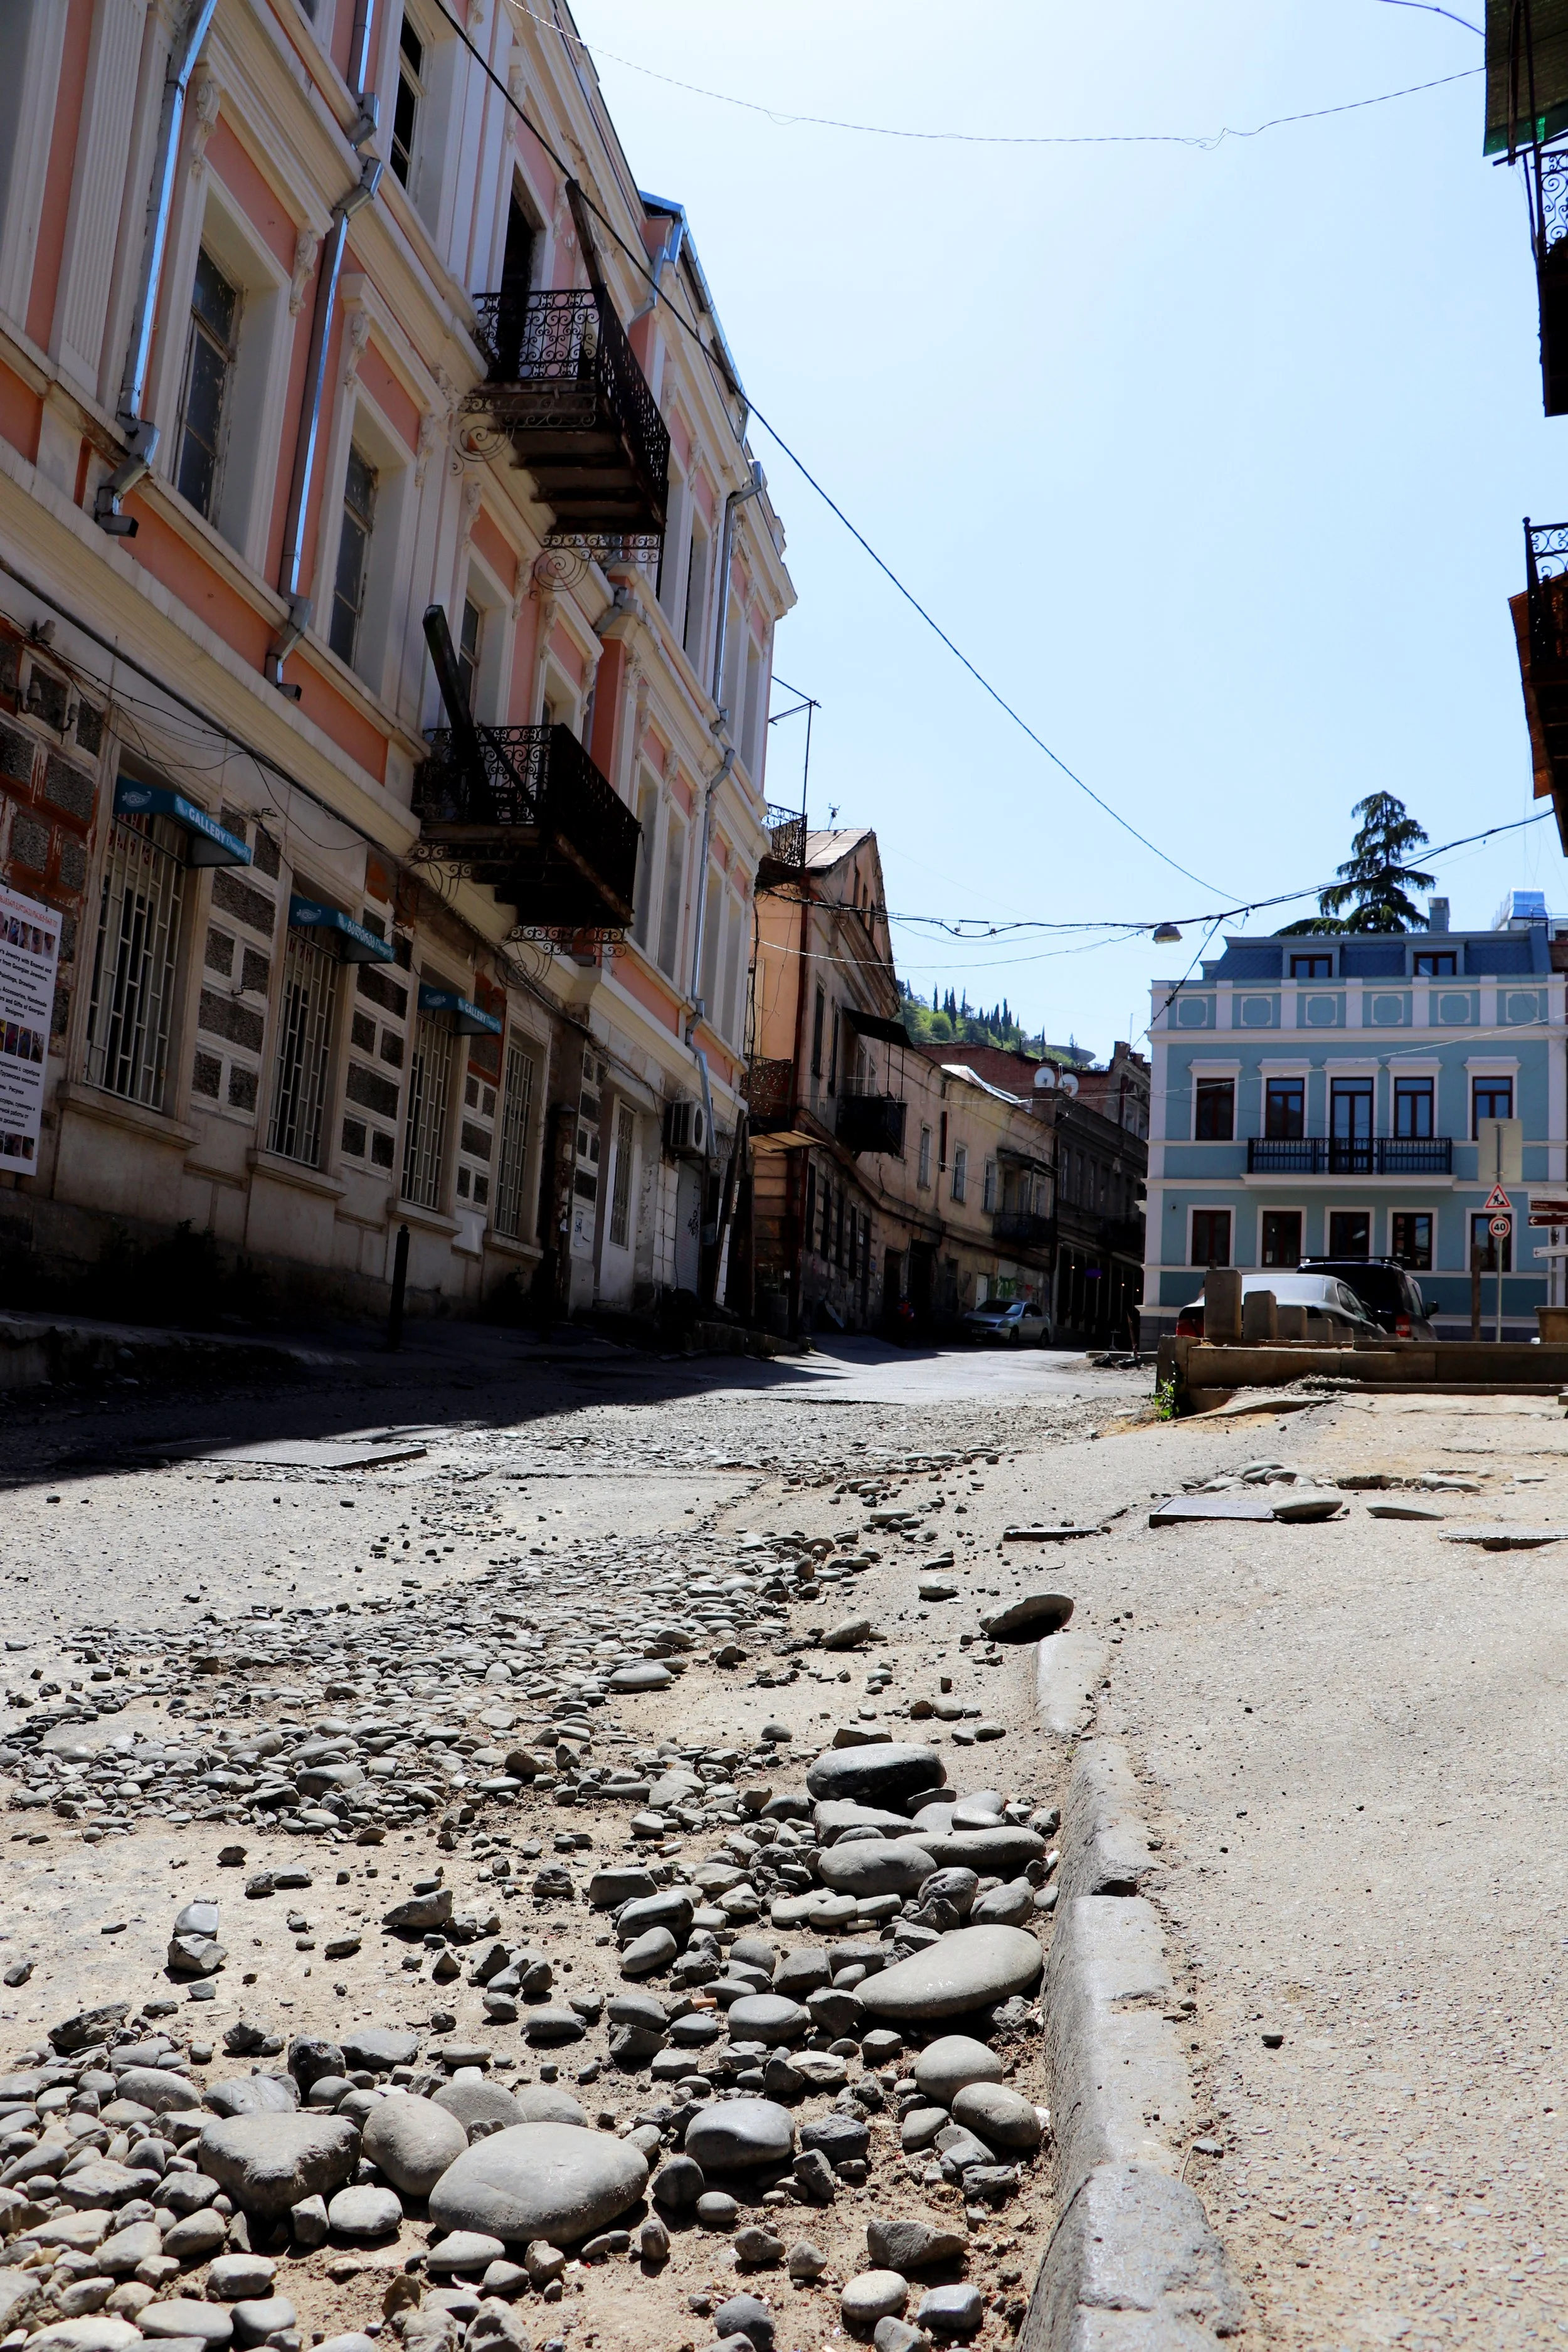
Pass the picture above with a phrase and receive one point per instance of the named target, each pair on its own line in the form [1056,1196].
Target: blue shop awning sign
[355,944]
[469,1020]
[210,844]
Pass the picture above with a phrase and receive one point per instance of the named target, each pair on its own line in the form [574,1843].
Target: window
[1493,1099]
[468,644]
[304,1049]
[1485,1245]
[674,885]
[647,818]
[1412,1106]
[406,107]
[621,1192]
[1312,967]
[810,1220]
[989,1196]
[1282,1238]
[1284,1109]
[133,964]
[353,546]
[425,1136]
[734,1015]
[1350,1110]
[712,926]
[960,1170]
[696,594]
[1350,1232]
[1435,963]
[925,1176]
[515,1100]
[819,1014]
[210,372]
[1211,1236]
[1215,1110]
[1410,1240]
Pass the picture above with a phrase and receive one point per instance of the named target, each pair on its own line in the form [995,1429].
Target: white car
[1007,1322]
[1325,1298]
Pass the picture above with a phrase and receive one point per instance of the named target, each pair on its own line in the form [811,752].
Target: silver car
[1008,1323]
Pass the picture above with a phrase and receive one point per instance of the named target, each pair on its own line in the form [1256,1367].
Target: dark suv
[1391,1296]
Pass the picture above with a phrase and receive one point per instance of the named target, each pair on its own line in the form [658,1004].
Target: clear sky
[1213,461]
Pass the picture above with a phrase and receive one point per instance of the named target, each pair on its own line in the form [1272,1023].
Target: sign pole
[1498,1240]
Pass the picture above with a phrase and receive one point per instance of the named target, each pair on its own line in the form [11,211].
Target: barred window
[304,1050]
[133,963]
[425,1136]
[515,1102]
[621,1194]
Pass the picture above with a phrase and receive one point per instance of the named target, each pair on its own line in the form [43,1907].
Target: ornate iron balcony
[783,860]
[534,819]
[769,1088]
[871,1122]
[1022,1228]
[1335,1155]
[565,386]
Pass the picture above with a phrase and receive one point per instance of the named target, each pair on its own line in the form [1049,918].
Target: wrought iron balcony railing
[1022,1228]
[871,1122]
[532,815]
[769,1088]
[1335,1155]
[783,860]
[565,386]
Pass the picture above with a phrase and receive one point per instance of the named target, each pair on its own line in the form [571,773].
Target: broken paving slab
[1422,1511]
[1064,1534]
[298,1453]
[1506,1539]
[1181,1508]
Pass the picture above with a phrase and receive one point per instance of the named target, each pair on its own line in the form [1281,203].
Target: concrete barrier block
[1119,2089]
[1069,1670]
[1104,1845]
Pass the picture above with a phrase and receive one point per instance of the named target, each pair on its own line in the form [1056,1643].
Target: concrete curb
[1069,1670]
[1133,2266]
[38,1349]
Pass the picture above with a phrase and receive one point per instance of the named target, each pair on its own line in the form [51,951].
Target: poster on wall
[29,953]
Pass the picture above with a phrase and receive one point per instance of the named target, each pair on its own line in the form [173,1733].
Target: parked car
[1389,1296]
[1008,1323]
[1323,1296]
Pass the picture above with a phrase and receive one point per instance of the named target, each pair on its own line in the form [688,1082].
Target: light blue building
[1319,1095]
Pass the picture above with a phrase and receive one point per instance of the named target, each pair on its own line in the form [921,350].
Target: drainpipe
[754,489]
[307,439]
[669,253]
[141,433]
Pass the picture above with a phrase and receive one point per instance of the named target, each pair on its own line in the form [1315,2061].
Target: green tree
[1376,879]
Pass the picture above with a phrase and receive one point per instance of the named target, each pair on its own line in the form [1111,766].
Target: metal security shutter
[133,964]
[304,1050]
[515,1107]
[425,1136]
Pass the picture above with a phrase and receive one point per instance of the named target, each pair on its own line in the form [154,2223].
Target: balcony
[769,1089]
[1322,1155]
[525,810]
[1541,625]
[783,860]
[564,387]
[1022,1229]
[870,1122]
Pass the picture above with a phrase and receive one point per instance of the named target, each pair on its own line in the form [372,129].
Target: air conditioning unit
[686,1131]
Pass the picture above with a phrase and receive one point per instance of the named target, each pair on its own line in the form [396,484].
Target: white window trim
[1209,1209]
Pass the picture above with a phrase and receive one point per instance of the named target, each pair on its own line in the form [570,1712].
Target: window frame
[1313,976]
[1481,1084]
[1211,1220]
[959,1187]
[201,334]
[1413,1262]
[412,81]
[1409,1091]
[1213,1099]
[1490,1244]
[1266,1254]
[1435,963]
[1275,1091]
[1340,1216]
[349,515]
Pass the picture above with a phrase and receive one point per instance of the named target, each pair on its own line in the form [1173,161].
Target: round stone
[137,2242]
[540,2180]
[1002,2116]
[466,2249]
[951,2310]
[972,1967]
[768,2017]
[101,2333]
[209,2322]
[413,2141]
[546,2103]
[266,2316]
[873,2296]
[238,2278]
[1008,1906]
[644,1675]
[678,2184]
[1001,1852]
[648,1953]
[716,2210]
[546,2027]
[869,1866]
[943,2067]
[907,2246]
[1029,1619]
[733,2135]
[379,2048]
[980,1808]
[742,2315]
[365,2212]
[471,2100]
[883,1774]
[269,2163]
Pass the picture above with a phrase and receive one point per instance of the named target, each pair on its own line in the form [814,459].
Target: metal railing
[1023,1228]
[769,1089]
[1334,1155]
[1546,579]
[559,362]
[534,796]
[783,860]
[871,1122]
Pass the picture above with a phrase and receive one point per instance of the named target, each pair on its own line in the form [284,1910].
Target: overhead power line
[786,119]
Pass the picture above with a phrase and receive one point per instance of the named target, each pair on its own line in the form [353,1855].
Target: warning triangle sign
[1497,1202]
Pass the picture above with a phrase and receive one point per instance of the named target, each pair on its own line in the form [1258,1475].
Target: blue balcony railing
[1337,1155]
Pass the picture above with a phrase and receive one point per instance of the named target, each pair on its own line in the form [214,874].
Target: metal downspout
[141,433]
[321,314]
[669,253]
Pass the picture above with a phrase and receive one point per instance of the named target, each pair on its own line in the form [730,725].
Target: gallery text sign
[29,953]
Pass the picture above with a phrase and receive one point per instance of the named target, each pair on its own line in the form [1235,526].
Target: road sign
[1501,1227]
[1497,1203]
[1544,1210]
